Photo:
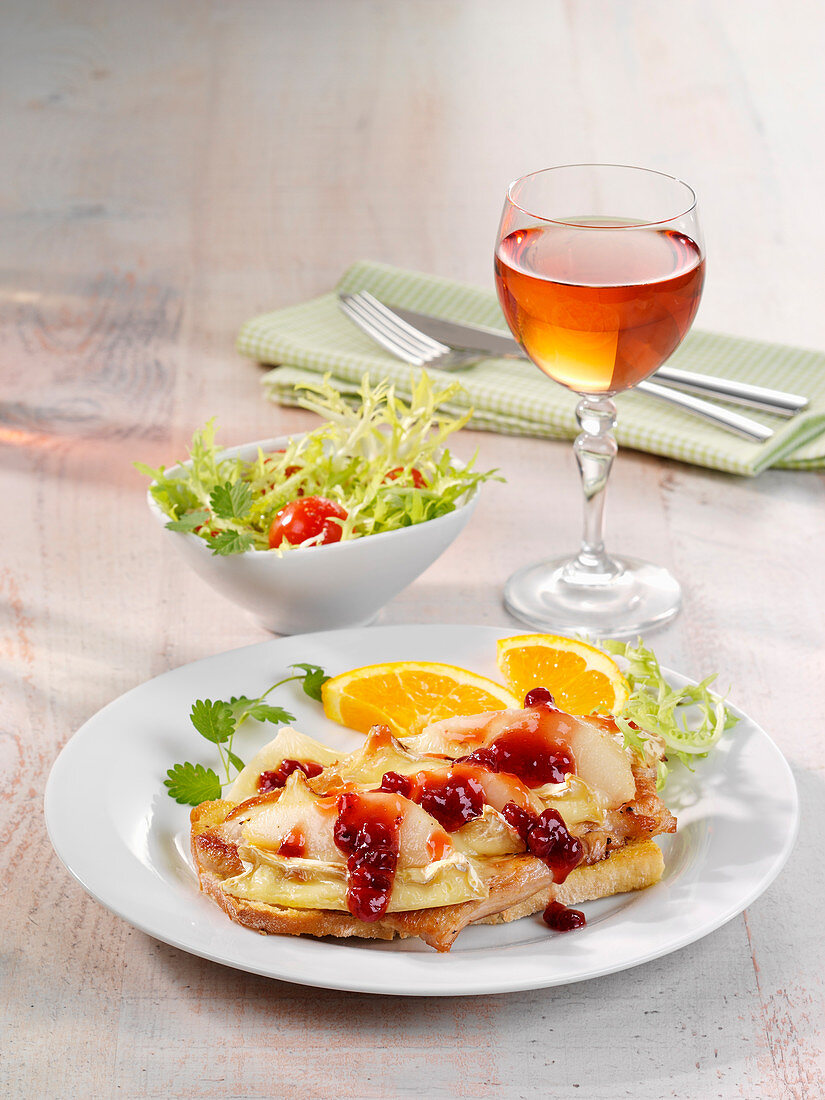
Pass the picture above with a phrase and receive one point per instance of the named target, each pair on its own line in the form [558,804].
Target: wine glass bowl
[599,271]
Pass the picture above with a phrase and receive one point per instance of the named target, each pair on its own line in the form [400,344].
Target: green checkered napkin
[513,397]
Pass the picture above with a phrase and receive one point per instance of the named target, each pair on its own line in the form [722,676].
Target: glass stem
[595,449]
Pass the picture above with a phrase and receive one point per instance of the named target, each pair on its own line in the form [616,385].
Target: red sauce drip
[271,781]
[366,831]
[397,784]
[539,697]
[546,837]
[438,844]
[293,844]
[521,820]
[561,919]
[482,758]
[452,799]
[527,754]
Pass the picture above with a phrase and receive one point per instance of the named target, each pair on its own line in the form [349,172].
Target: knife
[381,324]
[492,341]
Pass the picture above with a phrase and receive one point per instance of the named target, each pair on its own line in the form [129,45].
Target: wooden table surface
[169,169]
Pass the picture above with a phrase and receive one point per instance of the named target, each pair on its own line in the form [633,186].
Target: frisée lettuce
[383,461]
[690,720]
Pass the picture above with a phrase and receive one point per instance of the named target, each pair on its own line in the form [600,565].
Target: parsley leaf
[243,708]
[231,501]
[188,522]
[240,703]
[218,721]
[191,784]
[234,760]
[231,542]
[263,712]
[313,679]
[214,721]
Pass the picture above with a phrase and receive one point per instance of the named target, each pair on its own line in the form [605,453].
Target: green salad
[690,720]
[375,467]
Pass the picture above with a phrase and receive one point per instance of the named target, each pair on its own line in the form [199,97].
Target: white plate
[118,832]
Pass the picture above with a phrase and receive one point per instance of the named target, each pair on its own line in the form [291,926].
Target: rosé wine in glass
[599,270]
[589,315]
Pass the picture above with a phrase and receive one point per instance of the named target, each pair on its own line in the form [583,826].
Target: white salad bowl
[318,587]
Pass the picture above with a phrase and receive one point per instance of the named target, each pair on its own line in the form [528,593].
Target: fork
[415,347]
[402,339]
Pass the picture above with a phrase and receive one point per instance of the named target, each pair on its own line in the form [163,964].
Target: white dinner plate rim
[326,964]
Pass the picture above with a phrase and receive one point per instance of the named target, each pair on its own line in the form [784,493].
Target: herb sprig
[218,720]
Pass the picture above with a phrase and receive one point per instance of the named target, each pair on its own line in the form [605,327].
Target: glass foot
[629,597]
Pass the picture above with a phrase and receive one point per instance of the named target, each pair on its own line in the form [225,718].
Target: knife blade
[482,338]
[459,335]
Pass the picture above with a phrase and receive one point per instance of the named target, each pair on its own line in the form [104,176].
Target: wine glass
[599,270]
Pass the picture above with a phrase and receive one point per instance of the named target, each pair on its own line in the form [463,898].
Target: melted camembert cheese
[366,830]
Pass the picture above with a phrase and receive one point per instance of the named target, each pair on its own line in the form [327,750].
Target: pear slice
[288,745]
[601,762]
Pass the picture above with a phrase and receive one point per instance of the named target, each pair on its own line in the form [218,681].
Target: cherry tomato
[305,519]
[417,476]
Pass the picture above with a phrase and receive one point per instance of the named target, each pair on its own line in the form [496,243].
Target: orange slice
[581,678]
[408,695]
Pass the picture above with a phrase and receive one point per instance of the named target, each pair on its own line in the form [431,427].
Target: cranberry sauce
[539,697]
[366,830]
[271,781]
[294,844]
[396,783]
[452,799]
[530,756]
[561,919]
[534,749]
[546,837]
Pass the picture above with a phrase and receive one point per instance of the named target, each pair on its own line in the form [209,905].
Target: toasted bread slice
[518,886]
[634,867]
[452,870]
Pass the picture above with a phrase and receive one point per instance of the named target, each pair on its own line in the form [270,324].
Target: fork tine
[383,335]
[400,326]
[386,323]
[401,339]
